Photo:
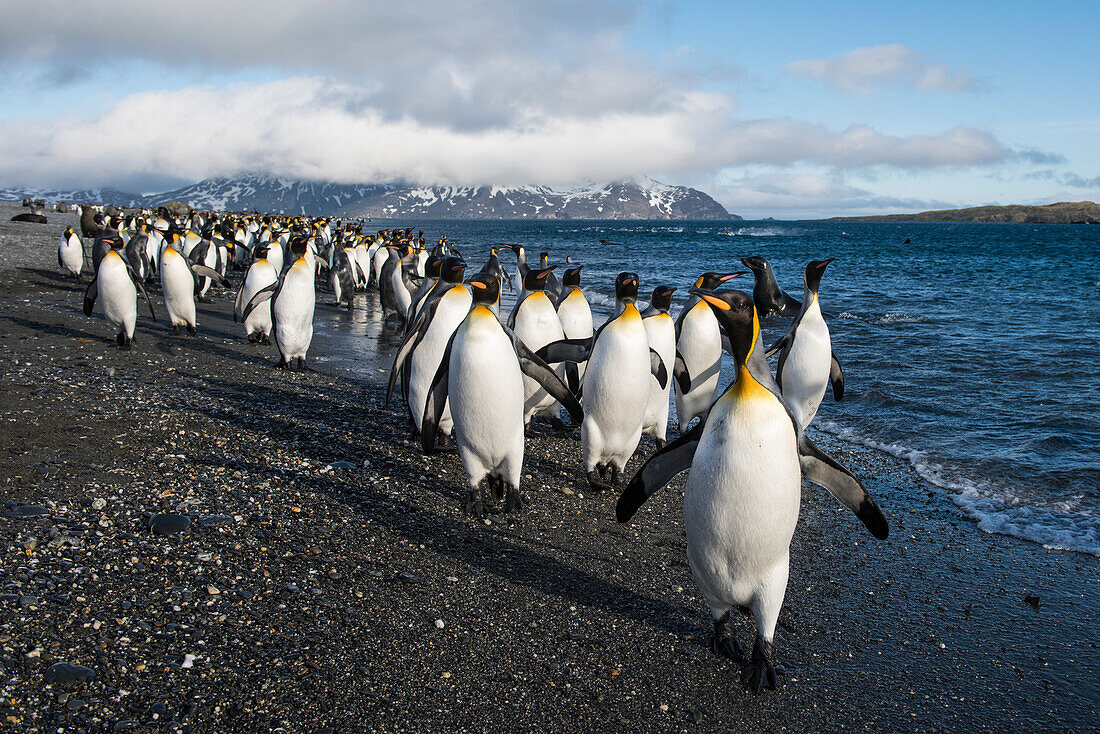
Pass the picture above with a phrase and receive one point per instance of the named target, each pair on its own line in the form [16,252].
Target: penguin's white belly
[179,289]
[362,258]
[806,369]
[400,292]
[259,276]
[615,385]
[742,498]
[72,254]
[275,256]
[537,324]
[425,359]
[485,393]
[294,313]
[700,345]
[576,321]
[380,256]
[117,294]
[661,333]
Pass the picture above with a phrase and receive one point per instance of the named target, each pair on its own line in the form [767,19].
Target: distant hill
[1064,212]
[639,198]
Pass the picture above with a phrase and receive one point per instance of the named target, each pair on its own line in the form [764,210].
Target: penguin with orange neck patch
[616,384]
[480,378]
[747,459]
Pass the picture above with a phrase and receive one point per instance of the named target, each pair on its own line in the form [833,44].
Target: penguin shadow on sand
[453,537]
[59,329]
[57,279]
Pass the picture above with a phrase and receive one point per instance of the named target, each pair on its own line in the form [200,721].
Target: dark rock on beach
[169,523]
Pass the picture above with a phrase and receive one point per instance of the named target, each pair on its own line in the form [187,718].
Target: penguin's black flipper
[90,294]
[362,275]
[237,300]
[657,368]
[836,378]
[210,273]
[412,339]
[436,402]
[779,344]
[141,289]
[538,370]
[60,264]
[512,316]
[680,373]
[820,468]
[268,291]
[658,471]
[567,350]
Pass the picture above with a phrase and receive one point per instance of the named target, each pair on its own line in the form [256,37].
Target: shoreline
[329,581]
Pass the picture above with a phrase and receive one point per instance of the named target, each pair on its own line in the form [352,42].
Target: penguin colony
[473,381]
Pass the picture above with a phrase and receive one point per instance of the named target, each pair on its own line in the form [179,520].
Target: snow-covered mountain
[639,198]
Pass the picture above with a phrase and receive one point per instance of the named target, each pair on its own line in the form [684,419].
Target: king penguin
[536,322]
[766,293]
[661,330]
[619,364]
[698,353]
[747,459]
[293,300]
[481,377]
[261,274]
[179,282]
[426,341]
[806,360]
[70,253]
[576,320]
[116,286]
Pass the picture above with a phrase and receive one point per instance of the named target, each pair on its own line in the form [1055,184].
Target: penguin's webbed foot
[725,641]
[476,502]
[595,481]
[253,338]
[191,330]
[759,672]
[265,339]
[616,477]
[175,328]
[660,443]
[513,500]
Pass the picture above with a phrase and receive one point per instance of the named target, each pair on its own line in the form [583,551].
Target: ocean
[971,352]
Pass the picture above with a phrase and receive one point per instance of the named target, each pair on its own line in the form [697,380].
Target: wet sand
[305,596]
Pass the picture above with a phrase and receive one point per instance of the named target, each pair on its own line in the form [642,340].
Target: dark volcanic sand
[304,597]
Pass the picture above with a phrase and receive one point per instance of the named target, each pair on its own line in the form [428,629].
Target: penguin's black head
[544,259]
[299,245]
[755,263]
[518,249]
[260,253]
[485,289]
[433,264]
[452,269]
[535,280]
[662,298]
[737,316]
[626,287]
[97,218]
[814,271]
[710,281]
[572,276]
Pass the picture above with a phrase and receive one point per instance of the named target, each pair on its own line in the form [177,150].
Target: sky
[784,109]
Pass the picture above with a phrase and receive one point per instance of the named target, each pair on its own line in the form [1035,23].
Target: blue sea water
[971,353]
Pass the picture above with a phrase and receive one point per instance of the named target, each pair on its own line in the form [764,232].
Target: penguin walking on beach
[536,322]
[116,287]
[576,320]
[261,274]
[424,344]
[698,353]
[70,253]
[615,387]
[480,377]
[344,276]
[767,296]
[292,302]
[179,282]
[747,459]
[806,360]
[661,330]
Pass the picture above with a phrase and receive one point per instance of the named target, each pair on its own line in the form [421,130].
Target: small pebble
[439,624]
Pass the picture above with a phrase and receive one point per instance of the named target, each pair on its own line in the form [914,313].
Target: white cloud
[315,128]
[874,68]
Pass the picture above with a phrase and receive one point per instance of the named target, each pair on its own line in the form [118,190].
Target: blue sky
[786,110]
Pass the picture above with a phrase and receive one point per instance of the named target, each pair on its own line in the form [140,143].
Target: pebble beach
[195,541]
